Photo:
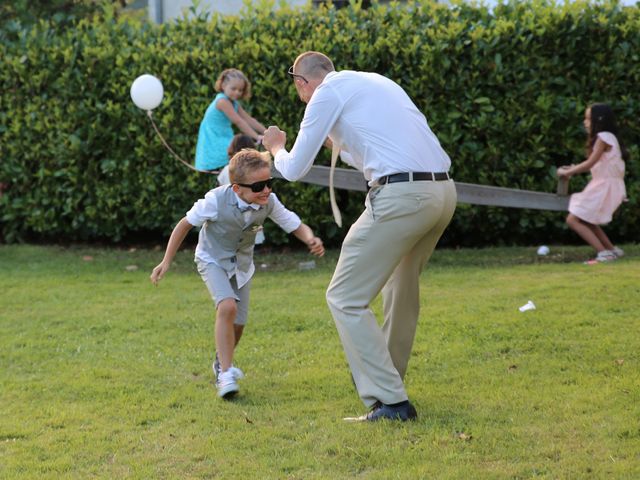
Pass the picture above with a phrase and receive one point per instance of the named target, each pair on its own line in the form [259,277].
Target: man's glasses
[294,75]
[257,187]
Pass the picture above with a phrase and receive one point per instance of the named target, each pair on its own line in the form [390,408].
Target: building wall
[165,10]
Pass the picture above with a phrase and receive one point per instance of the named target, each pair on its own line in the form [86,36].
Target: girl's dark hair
[603,120]
[239,142]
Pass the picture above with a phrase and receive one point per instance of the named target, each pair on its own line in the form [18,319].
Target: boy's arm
[290,223]
[177,236]
[305,234]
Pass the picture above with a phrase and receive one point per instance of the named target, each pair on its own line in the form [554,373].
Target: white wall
[165,10]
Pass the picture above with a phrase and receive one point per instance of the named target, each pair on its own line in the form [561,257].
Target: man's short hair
[246,161]
[313,64]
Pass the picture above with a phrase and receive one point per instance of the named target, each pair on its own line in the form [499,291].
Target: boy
[230,216]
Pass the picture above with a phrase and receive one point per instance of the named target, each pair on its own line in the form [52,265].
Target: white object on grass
[543,250]
[527,306]
[147,92]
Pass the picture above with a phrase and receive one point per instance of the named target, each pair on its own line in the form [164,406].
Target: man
[411,201]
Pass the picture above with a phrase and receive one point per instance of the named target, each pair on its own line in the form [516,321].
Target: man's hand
[274,139]
[316,247]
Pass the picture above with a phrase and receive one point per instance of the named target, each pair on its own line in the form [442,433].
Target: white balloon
[147,92]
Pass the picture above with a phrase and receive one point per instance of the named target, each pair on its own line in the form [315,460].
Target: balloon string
[212,172]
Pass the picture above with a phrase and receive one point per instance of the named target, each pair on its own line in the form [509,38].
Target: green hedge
[504,90]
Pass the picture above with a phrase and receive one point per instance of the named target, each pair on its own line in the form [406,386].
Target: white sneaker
[618,252]
[606,256]
[237,373]
[227,385]
[215,366]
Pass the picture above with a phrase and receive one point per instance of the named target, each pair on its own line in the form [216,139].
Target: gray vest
[230,239]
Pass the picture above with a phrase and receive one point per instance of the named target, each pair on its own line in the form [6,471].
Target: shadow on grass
[271,260]
[268,259]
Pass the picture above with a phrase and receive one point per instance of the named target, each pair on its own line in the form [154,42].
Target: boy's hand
[158,273]
[316,247]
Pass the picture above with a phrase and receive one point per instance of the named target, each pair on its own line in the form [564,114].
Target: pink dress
[606,191]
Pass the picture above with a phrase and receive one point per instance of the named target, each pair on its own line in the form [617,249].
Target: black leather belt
[414,177]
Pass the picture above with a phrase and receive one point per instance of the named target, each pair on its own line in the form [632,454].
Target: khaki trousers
[385,250]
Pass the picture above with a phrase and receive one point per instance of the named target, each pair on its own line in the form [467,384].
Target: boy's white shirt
[223,177]
[206,210]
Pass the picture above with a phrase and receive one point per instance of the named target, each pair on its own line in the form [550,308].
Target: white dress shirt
[206,210]
[378,128]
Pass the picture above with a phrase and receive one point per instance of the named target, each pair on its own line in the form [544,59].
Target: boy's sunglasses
[257,187]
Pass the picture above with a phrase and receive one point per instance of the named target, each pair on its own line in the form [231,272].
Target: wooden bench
[348,179]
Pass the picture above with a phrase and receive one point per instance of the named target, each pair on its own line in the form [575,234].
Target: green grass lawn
[106,376]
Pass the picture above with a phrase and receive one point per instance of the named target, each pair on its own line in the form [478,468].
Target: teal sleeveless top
[214,137]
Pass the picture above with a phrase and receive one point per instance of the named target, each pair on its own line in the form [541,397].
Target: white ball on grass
[543,250]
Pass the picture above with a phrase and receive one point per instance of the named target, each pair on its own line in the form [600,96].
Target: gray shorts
[221,286]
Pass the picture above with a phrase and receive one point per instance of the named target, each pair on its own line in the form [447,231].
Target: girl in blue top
[215,132]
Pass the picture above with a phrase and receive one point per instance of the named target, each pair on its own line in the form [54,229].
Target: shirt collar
[242,205]
[328,76]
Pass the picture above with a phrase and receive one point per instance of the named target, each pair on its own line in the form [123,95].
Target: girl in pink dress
[595,205]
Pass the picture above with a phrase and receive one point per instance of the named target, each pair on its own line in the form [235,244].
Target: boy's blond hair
[245,161]
[234,73]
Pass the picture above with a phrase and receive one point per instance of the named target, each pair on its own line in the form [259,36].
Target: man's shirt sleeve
[320,116]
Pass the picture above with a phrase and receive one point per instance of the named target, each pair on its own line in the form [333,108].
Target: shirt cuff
[294,224]
[279,161]
[193,219]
